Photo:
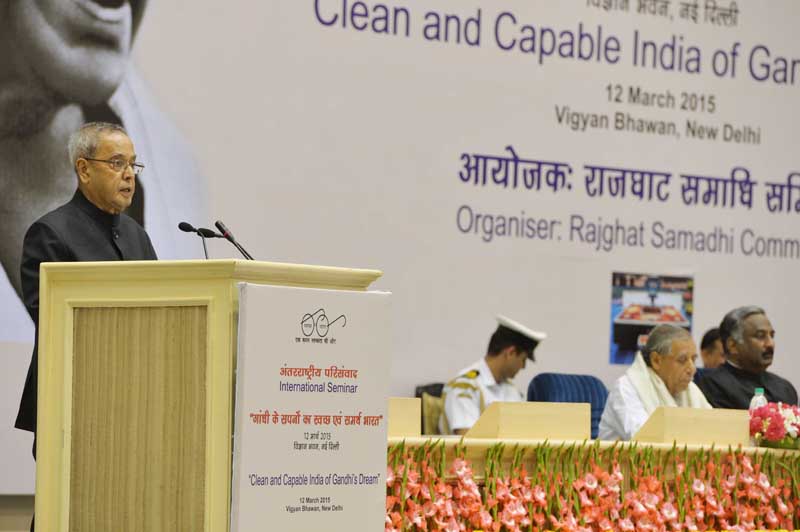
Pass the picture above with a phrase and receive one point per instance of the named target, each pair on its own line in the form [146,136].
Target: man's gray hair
[731,326]
[661,338]
[83,142]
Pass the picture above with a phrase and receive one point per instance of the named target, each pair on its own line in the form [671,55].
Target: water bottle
[758,399]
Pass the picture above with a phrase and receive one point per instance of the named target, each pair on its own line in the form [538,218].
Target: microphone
[226,233]
[202,232]
[208,233]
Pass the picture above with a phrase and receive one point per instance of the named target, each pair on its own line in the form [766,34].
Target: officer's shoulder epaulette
[471,374]
[463,380]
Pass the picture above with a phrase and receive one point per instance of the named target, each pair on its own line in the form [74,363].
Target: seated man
[489,379]
[661,375]
[749,342]
[711,349]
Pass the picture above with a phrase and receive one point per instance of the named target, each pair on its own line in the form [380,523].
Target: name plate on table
[534,421]
[699,426]
[311,394]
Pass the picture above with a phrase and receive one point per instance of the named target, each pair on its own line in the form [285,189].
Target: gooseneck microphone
[186,227]
[226,234]
[202,232]
[208,233]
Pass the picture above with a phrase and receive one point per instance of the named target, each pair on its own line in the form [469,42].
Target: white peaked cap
[521,329]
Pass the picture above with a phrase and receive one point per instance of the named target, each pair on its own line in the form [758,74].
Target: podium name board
[310,420]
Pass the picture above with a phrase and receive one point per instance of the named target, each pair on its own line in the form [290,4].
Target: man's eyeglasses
[118,165]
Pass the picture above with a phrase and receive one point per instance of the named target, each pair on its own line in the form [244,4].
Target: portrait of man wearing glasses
[64,64]
[90,227]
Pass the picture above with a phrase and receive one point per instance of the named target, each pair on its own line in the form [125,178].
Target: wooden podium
[136,388]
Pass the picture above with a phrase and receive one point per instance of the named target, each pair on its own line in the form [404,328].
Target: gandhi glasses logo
[319,323]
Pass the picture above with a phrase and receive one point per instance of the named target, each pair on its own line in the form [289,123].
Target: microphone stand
[205,249]
[243,251]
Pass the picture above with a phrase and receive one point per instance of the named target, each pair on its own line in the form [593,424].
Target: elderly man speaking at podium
[90,227]
[660,376]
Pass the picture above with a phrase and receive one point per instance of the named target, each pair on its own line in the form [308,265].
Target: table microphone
[226,234]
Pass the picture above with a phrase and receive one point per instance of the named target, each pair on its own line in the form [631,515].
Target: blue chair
[565,388]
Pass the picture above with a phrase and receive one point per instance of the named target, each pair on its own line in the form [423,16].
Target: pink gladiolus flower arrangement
[583,488]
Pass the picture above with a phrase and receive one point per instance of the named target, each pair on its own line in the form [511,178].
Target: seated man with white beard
[661,375]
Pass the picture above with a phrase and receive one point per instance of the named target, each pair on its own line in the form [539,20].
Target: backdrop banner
[502,157]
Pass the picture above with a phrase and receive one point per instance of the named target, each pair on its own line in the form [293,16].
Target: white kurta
[466,396]
[624,413]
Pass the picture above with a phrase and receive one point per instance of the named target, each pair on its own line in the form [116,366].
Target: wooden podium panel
[136,384]
[139,394]
[405,414]
[700,426]
[534,421]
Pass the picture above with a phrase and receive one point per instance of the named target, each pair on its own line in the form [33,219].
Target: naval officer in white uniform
[488,379]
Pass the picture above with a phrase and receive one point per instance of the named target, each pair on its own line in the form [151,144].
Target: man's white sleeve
[624,413]
[462,408]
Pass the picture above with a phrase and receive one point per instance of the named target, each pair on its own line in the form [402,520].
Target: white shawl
[654,393]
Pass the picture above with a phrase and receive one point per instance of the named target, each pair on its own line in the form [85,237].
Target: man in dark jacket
[749,343]
[90,227]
